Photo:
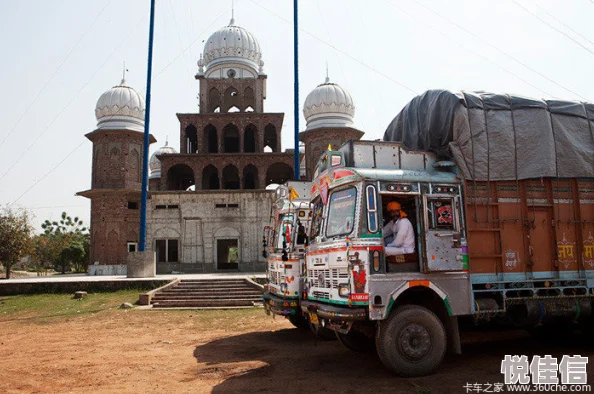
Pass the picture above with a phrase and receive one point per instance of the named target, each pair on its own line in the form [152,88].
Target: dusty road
[224,351]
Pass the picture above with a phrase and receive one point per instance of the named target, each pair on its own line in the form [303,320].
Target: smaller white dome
[121,107]
[232,44]
[155,163]
[328,105]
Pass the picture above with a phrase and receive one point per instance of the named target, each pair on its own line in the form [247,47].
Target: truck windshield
[284,230]
[341,215]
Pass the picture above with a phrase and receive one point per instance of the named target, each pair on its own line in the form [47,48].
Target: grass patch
[62,305]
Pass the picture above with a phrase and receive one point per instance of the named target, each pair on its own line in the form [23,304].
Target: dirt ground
[146,351]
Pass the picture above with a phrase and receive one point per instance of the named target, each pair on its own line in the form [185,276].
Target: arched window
[134,166]
[230,177]
[279,173]
[214,100]
[211,141]
[249,108]
[270,137]
[114,172]
[192,139]
[210,178]
[234,109]
[180,177]
[230,139]
[249,138]
[232,99]
[248,99]
[250,177]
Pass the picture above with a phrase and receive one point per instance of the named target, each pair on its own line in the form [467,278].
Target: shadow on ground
[289,361]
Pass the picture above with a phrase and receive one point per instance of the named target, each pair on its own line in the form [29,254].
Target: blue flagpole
[296,104]
[147,117]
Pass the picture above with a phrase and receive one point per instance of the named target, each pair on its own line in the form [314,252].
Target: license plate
[313,318]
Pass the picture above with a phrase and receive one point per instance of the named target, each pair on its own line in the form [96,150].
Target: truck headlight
[343,290]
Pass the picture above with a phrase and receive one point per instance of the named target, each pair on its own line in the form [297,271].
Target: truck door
[442,233]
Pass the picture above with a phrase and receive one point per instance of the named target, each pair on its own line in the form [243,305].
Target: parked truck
[284,249]
[499,190]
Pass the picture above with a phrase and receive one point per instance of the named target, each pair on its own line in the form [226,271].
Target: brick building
[208,204]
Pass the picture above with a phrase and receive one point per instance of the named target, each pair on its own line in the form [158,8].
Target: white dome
[232,44]
[328,105]
[155,163]
[121,107]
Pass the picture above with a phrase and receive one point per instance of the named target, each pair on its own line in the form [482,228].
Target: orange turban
[393,205]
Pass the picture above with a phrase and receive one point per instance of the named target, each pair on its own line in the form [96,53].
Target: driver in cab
[402,230]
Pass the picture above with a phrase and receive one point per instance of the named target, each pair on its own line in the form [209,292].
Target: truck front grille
[327,278]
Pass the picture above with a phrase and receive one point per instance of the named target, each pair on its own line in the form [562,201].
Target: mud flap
[453,334]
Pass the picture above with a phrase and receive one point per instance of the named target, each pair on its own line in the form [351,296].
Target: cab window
[341,214]
[316,221]
[285,230]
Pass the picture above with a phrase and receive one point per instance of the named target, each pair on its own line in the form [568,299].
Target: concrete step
[204,303]
[213,281]
[200,289]
[211,287]
[206,297]
[227,294]
[208,294]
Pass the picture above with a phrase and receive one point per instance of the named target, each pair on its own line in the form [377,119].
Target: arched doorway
[211,141]
[180,177]
[192,138]
[249,139]
[279,173]
[210,178]
[232,99]
[270,137]
[250,177]
[230,177]
[249,99]
[214,100]
[230,139]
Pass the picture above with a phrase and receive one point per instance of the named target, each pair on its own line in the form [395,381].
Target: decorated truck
[284,241]
[499,191]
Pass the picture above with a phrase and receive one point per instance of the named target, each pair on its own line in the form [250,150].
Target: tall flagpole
[296,70]
[147,118]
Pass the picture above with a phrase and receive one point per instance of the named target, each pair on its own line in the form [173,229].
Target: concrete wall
[8,288]
[107,269]
[198,223]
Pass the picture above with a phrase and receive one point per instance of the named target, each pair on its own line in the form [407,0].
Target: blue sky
[59,56]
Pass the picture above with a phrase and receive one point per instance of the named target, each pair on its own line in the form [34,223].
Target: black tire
[299,321]
[356,341]
[412,341]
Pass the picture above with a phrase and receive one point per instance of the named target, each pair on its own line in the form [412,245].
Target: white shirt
[405,234]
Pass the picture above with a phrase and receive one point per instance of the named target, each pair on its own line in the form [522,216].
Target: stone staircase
[208,293]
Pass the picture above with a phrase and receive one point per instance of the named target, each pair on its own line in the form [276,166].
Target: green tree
[46,250]
[66,242]
[15,236]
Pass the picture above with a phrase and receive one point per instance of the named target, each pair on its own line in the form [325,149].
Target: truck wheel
[356,341]
[412,341]
[299,321]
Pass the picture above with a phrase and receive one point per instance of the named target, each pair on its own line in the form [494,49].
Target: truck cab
[284,250]
[353,281]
